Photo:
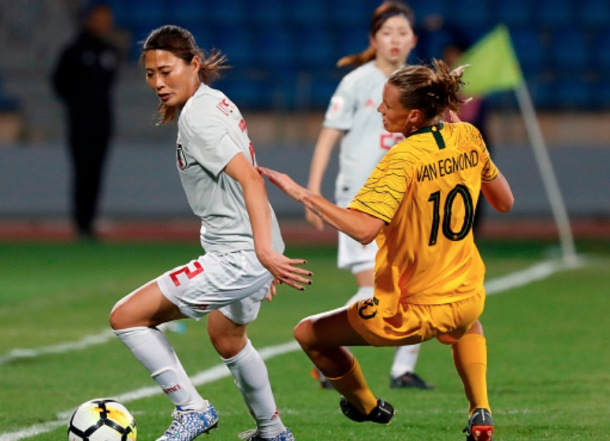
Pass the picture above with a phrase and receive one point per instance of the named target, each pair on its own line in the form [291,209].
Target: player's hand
[284,182]
[271,293]
[284,270]
[314,219]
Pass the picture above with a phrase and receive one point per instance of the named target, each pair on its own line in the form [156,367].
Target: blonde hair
[386,10]
[432,90]
[181,43]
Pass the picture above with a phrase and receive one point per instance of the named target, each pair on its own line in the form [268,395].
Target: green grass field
[549,364]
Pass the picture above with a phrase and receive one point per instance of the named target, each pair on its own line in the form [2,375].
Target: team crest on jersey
[180,156]
[225,106]
[367,308]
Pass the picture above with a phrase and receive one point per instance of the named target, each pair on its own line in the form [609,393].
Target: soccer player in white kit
[352,119]
[243,246]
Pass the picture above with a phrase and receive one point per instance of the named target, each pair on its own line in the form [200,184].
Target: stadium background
[283,54]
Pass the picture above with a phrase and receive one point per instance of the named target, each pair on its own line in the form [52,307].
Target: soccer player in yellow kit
[419,205]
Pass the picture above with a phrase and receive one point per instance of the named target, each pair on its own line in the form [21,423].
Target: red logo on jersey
[242,125]
[180,157]
[225,107]
[389,140]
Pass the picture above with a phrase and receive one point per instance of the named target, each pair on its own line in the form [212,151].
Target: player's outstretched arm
[283,269]
[356,224]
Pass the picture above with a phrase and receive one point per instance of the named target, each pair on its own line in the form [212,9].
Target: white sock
[364,292]
[252,380]
[404,360]
[152,349]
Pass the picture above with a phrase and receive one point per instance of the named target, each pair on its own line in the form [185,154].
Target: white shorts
[354,256]
[234,283]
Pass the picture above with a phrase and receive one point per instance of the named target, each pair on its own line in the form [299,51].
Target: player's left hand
[284,270]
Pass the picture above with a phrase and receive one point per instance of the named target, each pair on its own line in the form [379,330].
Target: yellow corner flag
[493,65]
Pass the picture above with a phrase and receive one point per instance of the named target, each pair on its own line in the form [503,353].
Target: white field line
[520,278]
[534,273]
[83,343]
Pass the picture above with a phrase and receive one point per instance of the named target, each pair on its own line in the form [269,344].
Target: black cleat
[409,380]
[382,414]
[480,426]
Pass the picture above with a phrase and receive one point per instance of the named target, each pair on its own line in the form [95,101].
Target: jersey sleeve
[490,171]
[211,145]
[342,106]
[387,185]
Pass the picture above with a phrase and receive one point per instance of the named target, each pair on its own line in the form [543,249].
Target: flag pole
[549,180]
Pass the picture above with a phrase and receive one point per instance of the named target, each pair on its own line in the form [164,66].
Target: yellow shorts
[415,323]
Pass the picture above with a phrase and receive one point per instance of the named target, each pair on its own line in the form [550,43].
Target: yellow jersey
[426,189]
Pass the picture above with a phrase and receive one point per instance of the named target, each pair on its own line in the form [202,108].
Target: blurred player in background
[352,119]
[243,246]
[419,205]
[83,79]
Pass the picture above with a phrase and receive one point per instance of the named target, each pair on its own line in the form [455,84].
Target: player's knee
[117,319]
[303,332]
[446,339]
[476,328]
[229,347]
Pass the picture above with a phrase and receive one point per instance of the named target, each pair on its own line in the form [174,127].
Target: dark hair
[432,90]
[386,10]
[181,43]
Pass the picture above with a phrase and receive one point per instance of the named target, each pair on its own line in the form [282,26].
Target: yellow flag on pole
[493,64]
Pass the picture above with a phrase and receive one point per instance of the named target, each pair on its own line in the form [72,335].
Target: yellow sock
[353,387]
[470,358]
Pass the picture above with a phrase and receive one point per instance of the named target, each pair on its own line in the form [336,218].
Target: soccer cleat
[254,435]
[189,424]
[382,414]
[409,380]
[318,376]
[480,426]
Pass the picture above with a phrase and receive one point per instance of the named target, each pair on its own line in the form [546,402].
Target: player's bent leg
[133,320]
[146,306]
[323,338]
[251,376]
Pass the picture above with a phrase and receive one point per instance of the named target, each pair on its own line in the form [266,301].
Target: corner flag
[493,65]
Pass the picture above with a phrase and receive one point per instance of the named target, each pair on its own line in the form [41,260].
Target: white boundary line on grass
[534,273]
[83,343]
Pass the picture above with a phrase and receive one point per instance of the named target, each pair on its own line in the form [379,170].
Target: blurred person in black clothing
[83,79]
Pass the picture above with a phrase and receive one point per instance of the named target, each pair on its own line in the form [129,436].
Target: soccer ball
[102,419]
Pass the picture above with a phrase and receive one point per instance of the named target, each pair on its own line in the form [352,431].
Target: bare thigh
[146,306]
[328,329]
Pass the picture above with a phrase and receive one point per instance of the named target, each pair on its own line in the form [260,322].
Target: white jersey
[353,108]
[211,131]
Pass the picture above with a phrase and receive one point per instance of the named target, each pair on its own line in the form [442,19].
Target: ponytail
[433,90]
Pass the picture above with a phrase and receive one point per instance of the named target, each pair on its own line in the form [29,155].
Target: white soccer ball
[102,419]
